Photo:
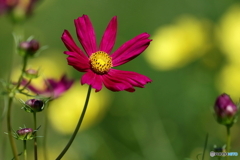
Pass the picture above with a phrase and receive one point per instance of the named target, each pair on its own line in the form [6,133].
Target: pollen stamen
[101,62]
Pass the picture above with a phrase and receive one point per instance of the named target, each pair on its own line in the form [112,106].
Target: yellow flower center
[101,62]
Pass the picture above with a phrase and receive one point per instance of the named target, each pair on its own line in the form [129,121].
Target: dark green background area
[167,120]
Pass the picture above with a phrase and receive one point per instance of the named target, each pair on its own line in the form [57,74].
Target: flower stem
[25,58]
[10,100]
[35,139]
[2,121]
[25,149]
[10,136]
[25,86]
[228,140]
[205,146]
[45,137]
[78,125]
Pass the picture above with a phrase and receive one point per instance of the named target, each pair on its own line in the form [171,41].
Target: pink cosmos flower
[53,88]
[98,61]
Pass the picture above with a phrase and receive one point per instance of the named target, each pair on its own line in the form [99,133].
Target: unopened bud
[225,110]
[24,134]
[19,10]
[31,73]
[28,47]
[34,105]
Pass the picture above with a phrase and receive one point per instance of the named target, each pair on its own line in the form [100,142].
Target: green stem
[3,121]
[35,139]
[25,86]
[78,125]
[25,58]
[205,146]
[9,105]
[45,136]
[10,100]
[25,149]
[228,141]
[10,136]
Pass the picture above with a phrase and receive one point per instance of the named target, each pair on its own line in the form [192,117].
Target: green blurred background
[169,118]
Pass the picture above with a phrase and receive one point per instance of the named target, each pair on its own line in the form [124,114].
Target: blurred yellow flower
[64,112]
[176,45]
[228,81]
[228,34]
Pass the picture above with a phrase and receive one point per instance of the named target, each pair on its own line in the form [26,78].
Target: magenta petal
[133,78]
[116,84]
[92,79]
[109,37]
[78,61]
[130,90]
[58,87]
[69,43]
[63,83]
[131,49]
[86,34]
[3,6]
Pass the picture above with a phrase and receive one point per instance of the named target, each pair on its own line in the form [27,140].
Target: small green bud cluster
[25,133]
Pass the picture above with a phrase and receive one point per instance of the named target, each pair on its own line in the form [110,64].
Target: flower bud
[31,73]
[225,110]
[19,10]
[34,105]
[25,134]
[28,47]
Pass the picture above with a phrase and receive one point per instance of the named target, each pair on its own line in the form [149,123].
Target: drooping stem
[228,140]
[25,149]
[35,139]
[10,136]
[78,125]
